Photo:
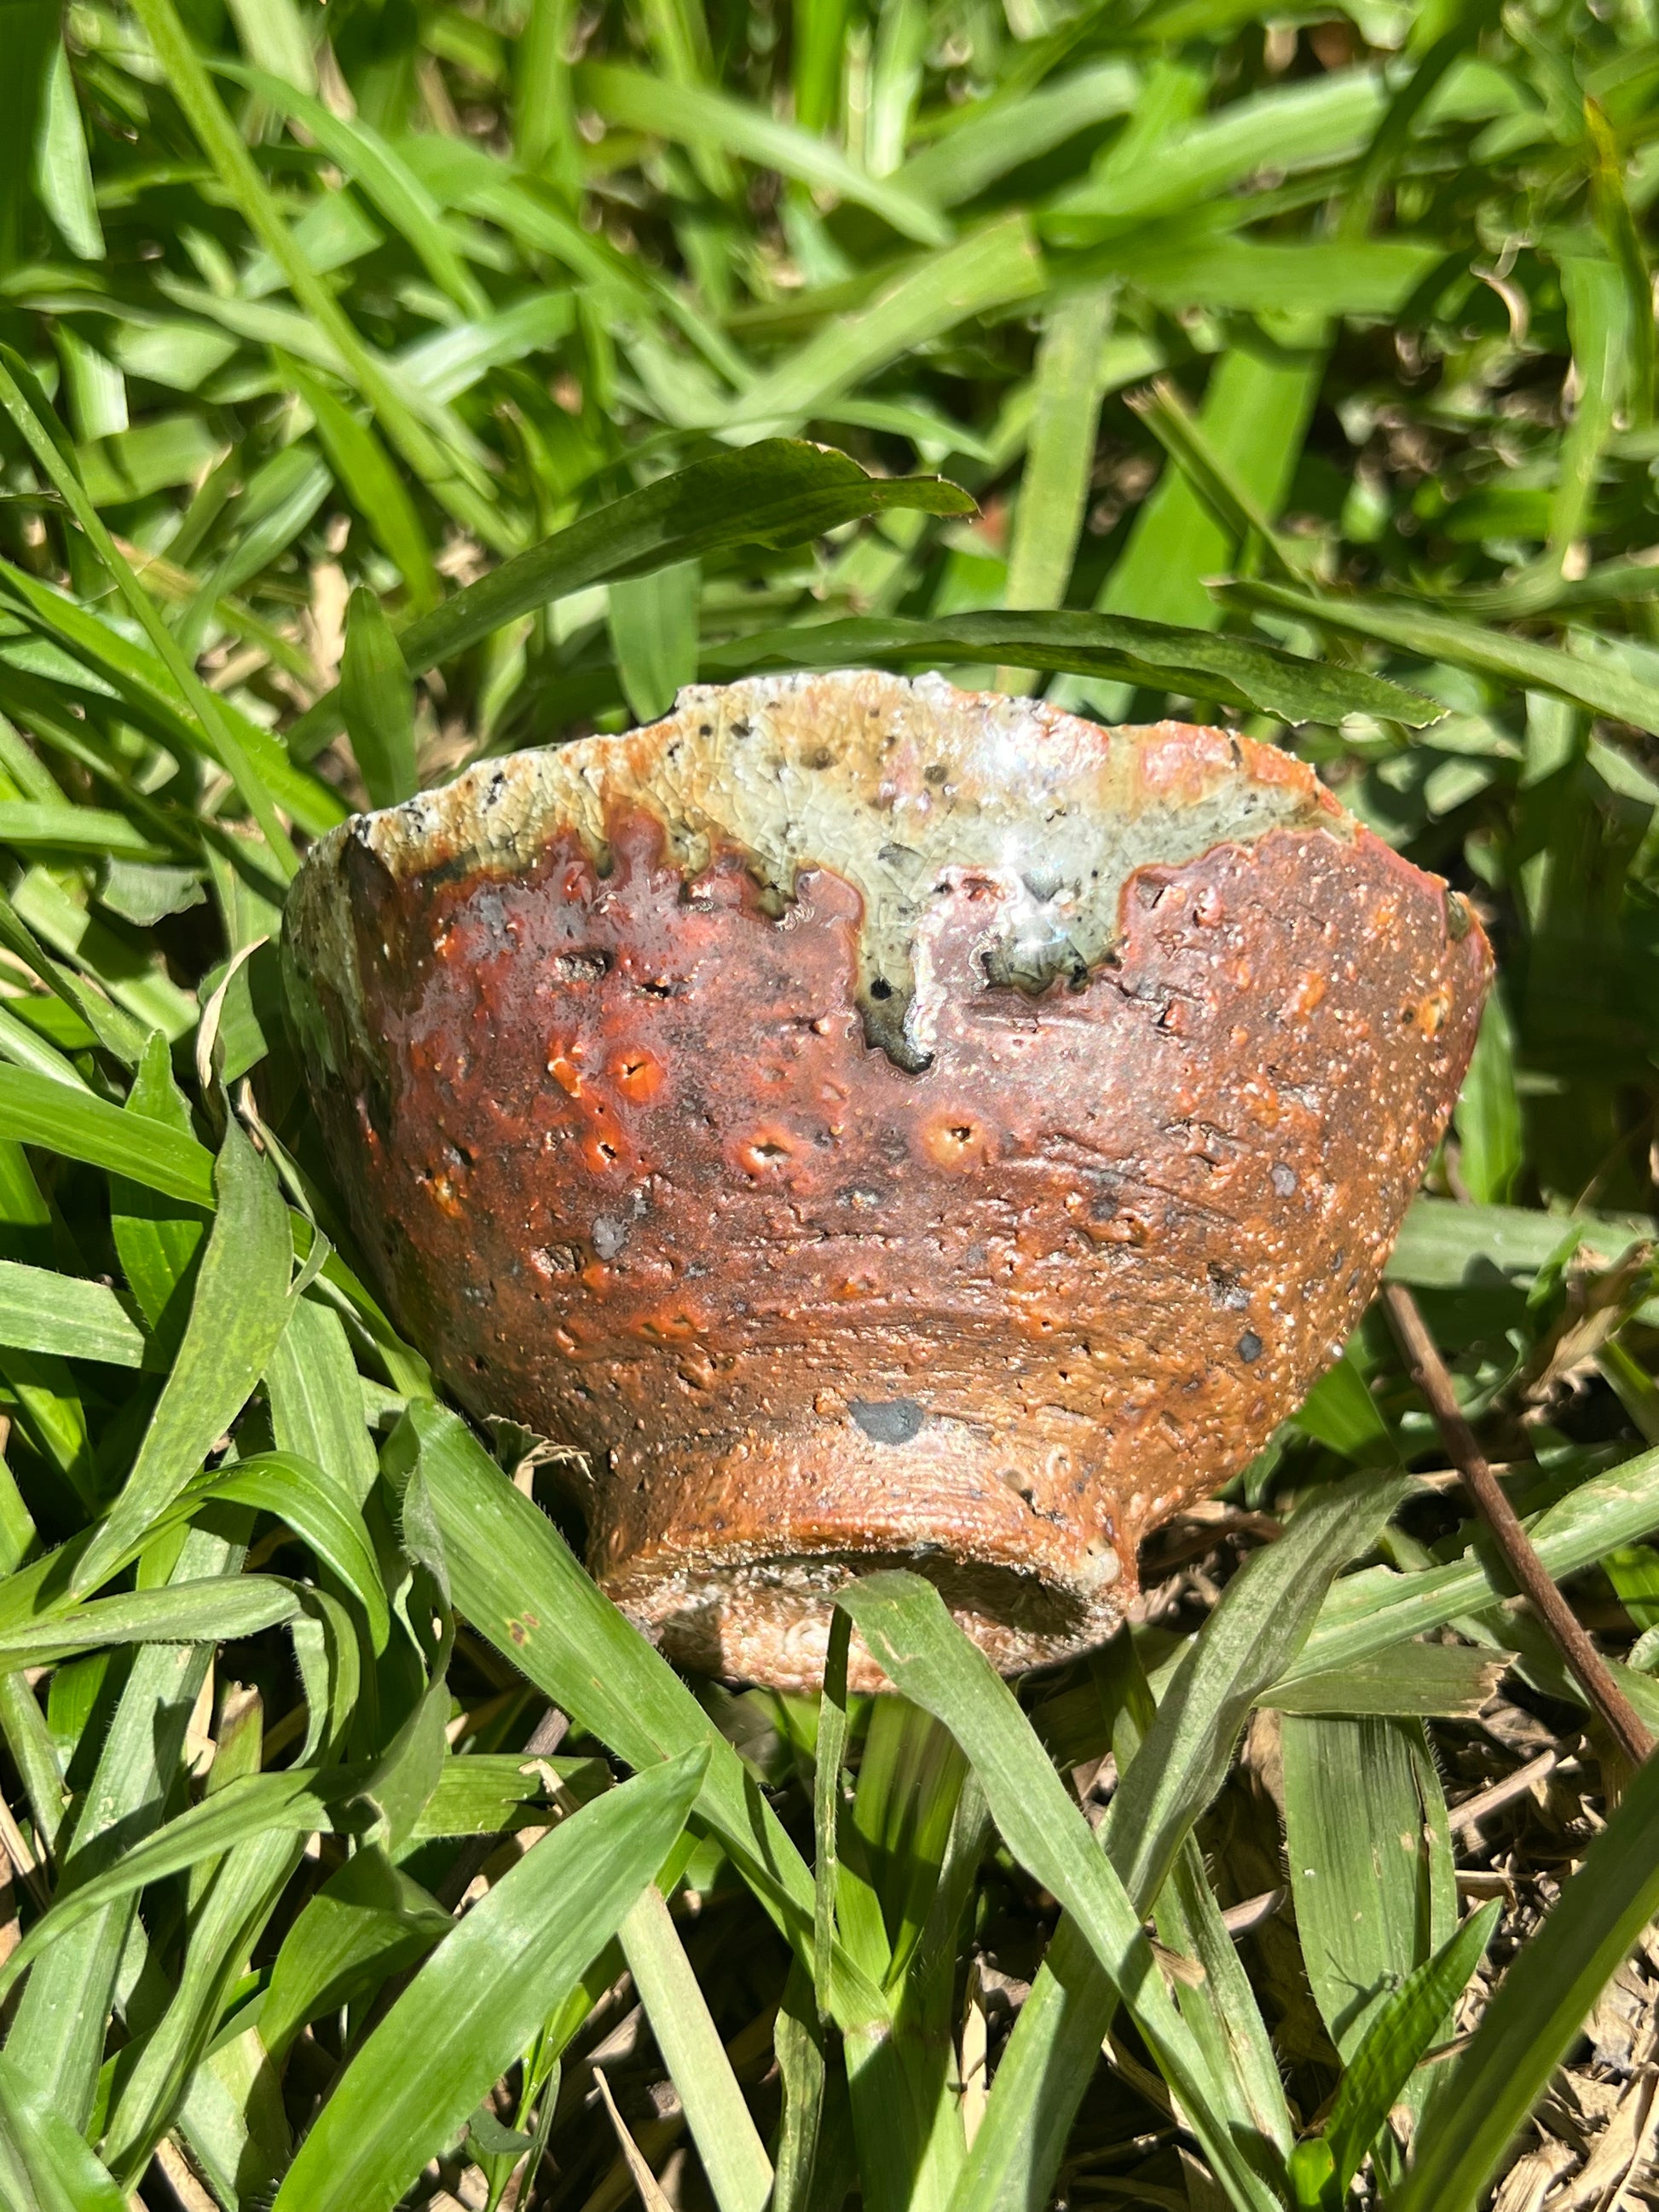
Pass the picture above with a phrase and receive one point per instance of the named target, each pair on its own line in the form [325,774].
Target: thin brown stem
[1569,1636]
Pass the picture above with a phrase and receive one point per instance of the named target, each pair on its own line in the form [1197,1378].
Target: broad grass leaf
[317,1400]
[36,1110]
[327,1651]
[798,2042]
[45,2165]
[56,2037]
[364,472]
[476,2004]
[401,1784]
[904,1621]
[482,1793]
[211,1610]
[367,1921]
[1295,126]
[1490,1147]
[1444,1681]
[1121,648]
[1006,135]
[896,1846]
[1444,1244]
[1264,1615]
[41,432]
[1340,1412]
[1400,2031]
[30,826]
[43,1311]
[1368,1612]
[1370,1861]
[52,1417]
[698,118]
[158,1240]
[238,1313]
[653,633]
[362,153]
[224,1928]
[24,1045]
[1068,383]
[1222,2010]
[733,2157]
[155,694]
[1220,2006]
[62,173]
[1210,472]
[294,1490]
[780,492]
[376,701]
[1289,276]
[1255,416]
[436,462]
[1538,2010]
[512,1577]
[1264,1619]
[992,267]
[115,1030]
[1599,685]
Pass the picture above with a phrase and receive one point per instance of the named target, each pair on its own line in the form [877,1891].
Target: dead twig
[1474,1810]
[1589,1669]
[1239,1919]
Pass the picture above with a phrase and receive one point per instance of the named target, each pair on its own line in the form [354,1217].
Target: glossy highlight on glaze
[875,1123]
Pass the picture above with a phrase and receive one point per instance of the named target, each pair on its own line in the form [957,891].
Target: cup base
[731,1558]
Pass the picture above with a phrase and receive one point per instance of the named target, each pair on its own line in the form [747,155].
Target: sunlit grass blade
[43,1311]
[56,2037]
[904,1621]
[477,2003]
[733,2157]
[1596,684]
[1369,1862]
[696,117]
[36,433]
[240,1306]
[1265,1616]
[513,1578]
[1121,648]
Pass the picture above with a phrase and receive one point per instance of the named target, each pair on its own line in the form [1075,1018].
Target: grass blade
[1538,2009]
[375,702]
[694,117]
[1399,2033]
[478,2000]
[240,1307]
[913,1638]
[1266,1614]
[42,1311]
[513,1578]
[733,2157]
[1369,1862]
[1235,670]
[56,2037]
[1598,684]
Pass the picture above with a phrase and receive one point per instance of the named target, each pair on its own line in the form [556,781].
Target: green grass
[387,386]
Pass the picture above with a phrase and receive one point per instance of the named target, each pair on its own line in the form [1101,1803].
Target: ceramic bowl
[875,1123]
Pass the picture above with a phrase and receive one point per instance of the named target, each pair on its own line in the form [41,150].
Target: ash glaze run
[875,1122]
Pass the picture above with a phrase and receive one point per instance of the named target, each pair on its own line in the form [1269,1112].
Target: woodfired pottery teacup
[879,1124]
